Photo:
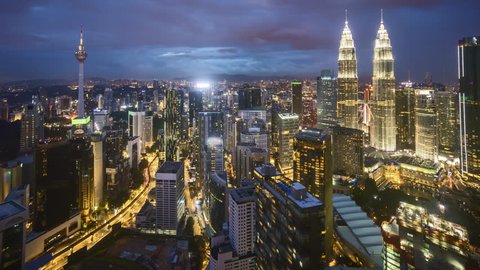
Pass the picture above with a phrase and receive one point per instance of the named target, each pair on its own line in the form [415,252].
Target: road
[94,236]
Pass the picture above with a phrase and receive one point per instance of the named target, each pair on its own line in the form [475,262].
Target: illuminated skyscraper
[288,126]
[32,125]
[173,107]
[383,130]
[347,96]
[309,105]
[290,224]
[405,113]
[81,56]
[136,127]
[313,168]
[469,104]
[447,122]
[426,140]
[347,148]
[326,99]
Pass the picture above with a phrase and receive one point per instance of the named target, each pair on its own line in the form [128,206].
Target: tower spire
[346,16]
[381,15]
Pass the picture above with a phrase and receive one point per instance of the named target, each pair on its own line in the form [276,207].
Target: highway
[90,239]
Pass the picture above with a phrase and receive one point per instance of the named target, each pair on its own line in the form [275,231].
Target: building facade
[326,99]
[383,128]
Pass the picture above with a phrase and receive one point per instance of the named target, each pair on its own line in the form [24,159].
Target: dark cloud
[155,39]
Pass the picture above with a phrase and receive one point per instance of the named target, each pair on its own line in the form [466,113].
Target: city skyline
[255,38]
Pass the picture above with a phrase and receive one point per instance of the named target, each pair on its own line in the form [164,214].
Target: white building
[136,126]
[134,151]
[238,253]
[170,206]
[148,130]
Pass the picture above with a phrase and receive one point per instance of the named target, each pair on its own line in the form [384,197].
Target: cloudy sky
[146,39]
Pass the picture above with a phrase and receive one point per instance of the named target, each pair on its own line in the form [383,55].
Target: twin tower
[382,100]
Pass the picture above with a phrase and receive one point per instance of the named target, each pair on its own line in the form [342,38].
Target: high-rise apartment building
[313,168]
[236,252]
[31,126]
[170,207]
[247,157]
[173,113]
[136,127]
[426,139]
[469,104]
[447,123]
[405,113]
[249,97]
[309,105]
[383,129]
[347,96]
[297,103]
[347,148]
[290,225]
[287,128]
[326,99]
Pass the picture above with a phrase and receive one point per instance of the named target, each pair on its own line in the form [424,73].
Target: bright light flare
[202,85]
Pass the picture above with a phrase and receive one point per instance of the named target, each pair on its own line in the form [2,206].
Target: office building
[447,123]
[210,125]
[469,104]
[4,110]
[82,159]
[108,99]
[383,129]
[326,99]
[216,201]
[347,96]
[257,136]
[170,198]
[230,131]
[290,225]
[309,105]
[247,157]
[235,249]
[134,151]
[54,190]
[405,113]
[426,140]
[195,105]
[98,169]
[249,97]
[173,112]
[297,103]
[313,168]
[347,148]
[254,118]
[148,129]
[136,127]
[288,126]
[31,126]
[13,218]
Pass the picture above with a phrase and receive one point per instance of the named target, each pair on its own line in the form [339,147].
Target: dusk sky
[146,39]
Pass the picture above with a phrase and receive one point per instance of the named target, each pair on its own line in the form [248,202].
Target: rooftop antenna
[381,15]
[346,16]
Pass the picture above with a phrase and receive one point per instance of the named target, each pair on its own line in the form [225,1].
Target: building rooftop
[170,167]
[288,116]
[358,229]
[312,134]
[10,209]
[243,194]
